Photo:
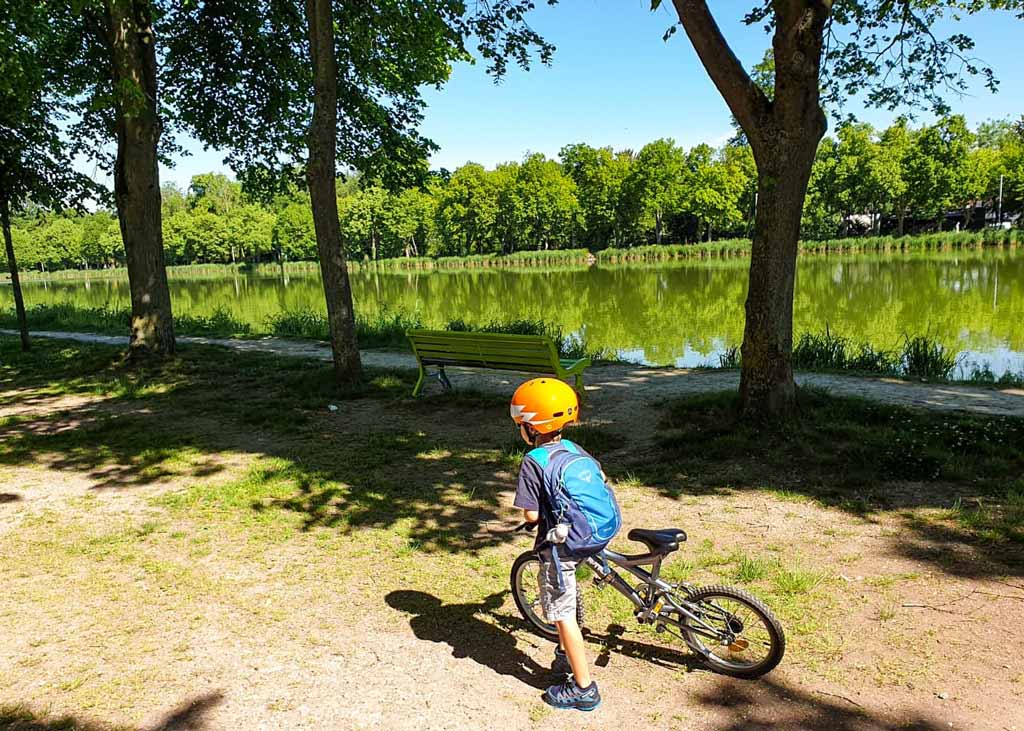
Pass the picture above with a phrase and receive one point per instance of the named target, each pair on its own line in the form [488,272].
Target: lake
[682,313]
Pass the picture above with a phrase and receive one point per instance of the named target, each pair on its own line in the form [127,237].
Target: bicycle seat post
[656,567]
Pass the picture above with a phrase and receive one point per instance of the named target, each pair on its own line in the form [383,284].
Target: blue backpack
[577,496]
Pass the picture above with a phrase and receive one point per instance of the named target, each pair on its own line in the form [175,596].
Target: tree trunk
[320,175]
[657,227]
[900,220]
[784,135]
[137,176]
[12,265]
[766,378]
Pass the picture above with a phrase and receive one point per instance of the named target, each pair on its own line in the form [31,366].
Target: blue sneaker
[561,665]
[570,695]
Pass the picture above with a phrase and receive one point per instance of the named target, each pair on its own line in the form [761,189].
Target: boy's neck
[543,439]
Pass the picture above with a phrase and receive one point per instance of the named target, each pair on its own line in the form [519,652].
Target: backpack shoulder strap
[540,455]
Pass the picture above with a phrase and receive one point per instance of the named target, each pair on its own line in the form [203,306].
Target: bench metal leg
[580,391]
[443,378]
[419,383]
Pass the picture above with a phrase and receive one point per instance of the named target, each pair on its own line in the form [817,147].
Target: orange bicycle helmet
[546,404]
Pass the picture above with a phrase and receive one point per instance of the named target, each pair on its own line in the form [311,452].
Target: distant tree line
[896,180]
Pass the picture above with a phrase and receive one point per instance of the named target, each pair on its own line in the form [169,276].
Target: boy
[542,407]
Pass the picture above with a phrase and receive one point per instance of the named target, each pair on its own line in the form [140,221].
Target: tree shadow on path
[189,715]
[769,704]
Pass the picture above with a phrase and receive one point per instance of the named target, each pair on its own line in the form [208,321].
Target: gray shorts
[557,605]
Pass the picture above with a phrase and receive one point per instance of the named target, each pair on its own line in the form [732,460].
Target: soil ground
[216,547]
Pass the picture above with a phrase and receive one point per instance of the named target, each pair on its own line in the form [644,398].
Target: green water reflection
[682,313]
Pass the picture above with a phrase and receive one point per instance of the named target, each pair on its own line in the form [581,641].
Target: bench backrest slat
[518,352]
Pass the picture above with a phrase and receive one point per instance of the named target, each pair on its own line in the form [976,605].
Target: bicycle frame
[659,592]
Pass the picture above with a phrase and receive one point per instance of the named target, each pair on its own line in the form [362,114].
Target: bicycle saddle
[664,540]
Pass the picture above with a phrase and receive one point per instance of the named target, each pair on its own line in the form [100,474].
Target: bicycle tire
[761,610]
[537,623]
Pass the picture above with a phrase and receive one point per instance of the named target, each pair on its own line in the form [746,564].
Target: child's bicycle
[733,631]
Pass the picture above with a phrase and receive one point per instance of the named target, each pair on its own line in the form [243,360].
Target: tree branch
[746,101]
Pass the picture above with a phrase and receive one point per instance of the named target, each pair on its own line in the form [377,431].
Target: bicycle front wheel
[746,640]
[525,580]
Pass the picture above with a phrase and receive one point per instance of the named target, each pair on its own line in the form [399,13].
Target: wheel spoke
[747,647]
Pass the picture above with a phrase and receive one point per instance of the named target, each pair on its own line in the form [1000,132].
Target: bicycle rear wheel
[749,640]
[526,593]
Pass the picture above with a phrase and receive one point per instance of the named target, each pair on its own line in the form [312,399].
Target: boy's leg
[571,639]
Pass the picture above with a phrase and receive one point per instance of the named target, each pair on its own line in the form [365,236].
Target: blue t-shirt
[530,494]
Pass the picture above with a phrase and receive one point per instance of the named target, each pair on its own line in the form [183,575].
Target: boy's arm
[528,490]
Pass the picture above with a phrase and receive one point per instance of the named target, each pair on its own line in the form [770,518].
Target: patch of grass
[109,321]
[730,358]
[998,519]
[750,569]
[885,612]
[793,580]
[386,330]
[924,358]
[834,444]
[983,375]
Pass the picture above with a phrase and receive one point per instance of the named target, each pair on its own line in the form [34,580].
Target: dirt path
[646,383]
[238,577]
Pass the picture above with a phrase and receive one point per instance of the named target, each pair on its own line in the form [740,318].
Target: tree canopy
[864,180]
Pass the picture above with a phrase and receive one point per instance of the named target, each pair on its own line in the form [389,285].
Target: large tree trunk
[784,146]
[320,175]
[784,133]
[766,377]
[12,266]
[137,177]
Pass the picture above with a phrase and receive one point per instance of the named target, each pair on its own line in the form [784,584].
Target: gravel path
[605,382]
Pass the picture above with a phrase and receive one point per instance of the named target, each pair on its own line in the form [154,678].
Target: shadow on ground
[476,630]
[462,627]
[443,466]
[772,705]
[190,715]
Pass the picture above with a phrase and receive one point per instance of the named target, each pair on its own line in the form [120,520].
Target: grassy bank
[553,259]
[387,330]
[945,241]
[869,445]
[574,258]
[918,357]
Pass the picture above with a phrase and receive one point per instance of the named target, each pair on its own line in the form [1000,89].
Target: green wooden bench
[527,353]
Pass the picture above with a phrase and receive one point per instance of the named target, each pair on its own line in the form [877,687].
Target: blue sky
[613,81]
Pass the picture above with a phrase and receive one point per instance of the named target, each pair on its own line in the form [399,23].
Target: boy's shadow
[470,636]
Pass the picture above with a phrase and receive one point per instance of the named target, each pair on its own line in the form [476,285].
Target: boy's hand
[531,516]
